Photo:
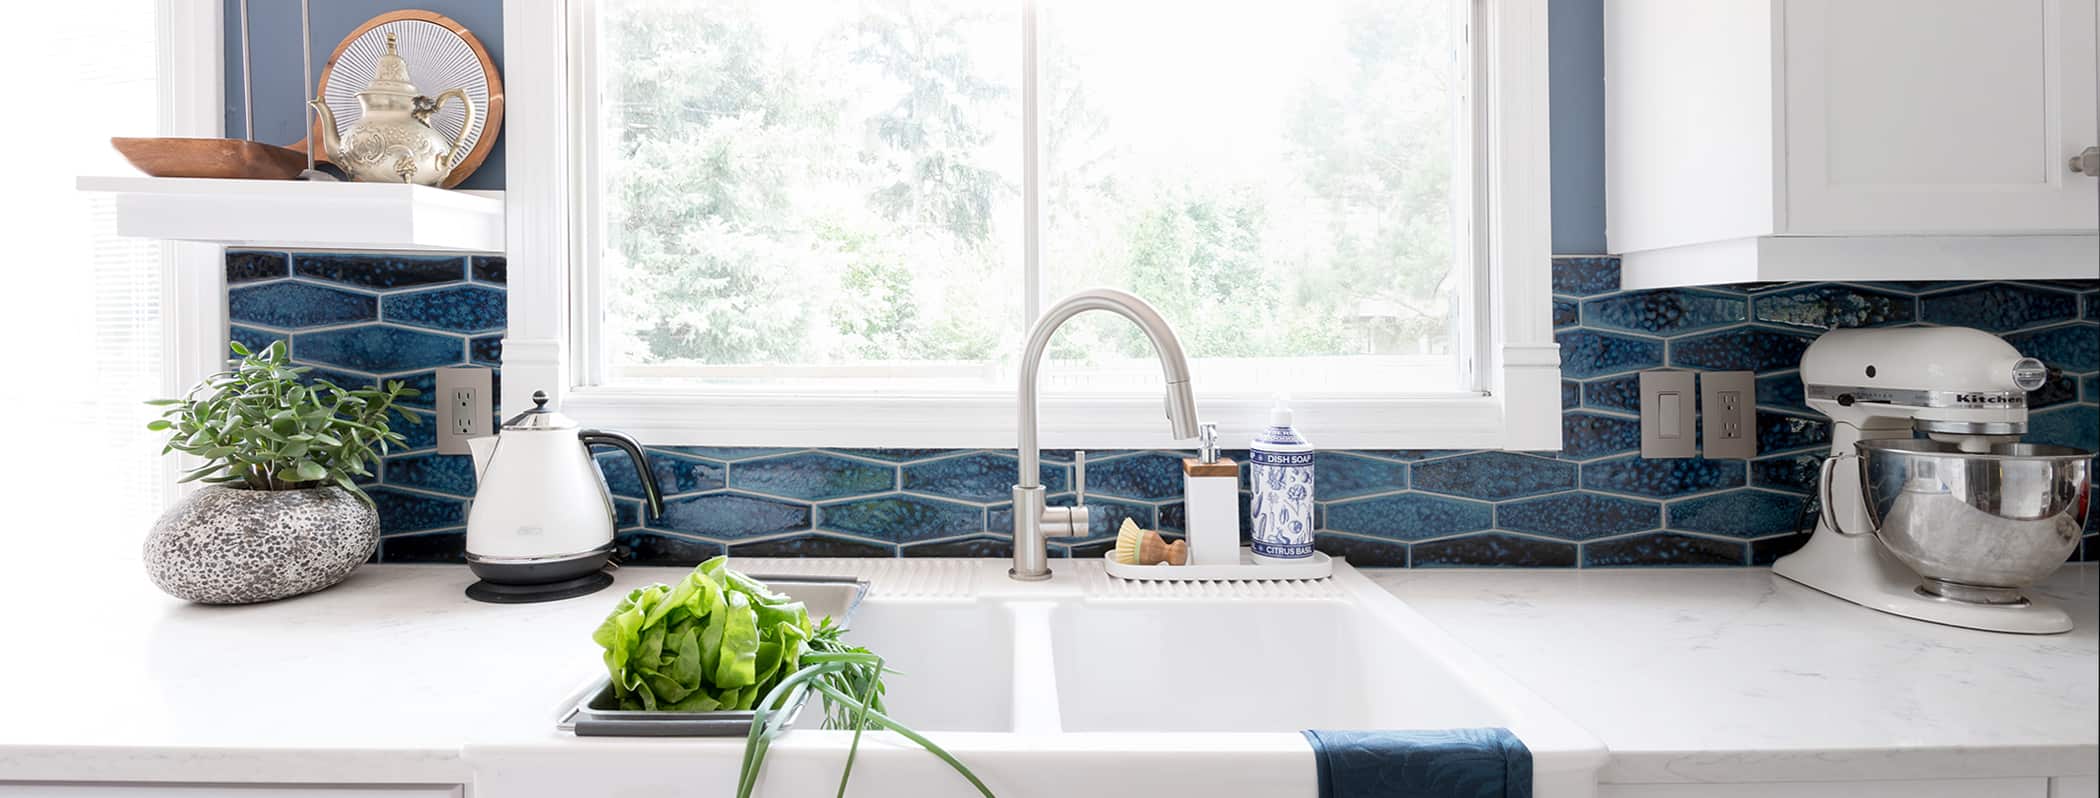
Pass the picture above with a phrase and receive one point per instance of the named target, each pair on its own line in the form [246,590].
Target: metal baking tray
[597,714]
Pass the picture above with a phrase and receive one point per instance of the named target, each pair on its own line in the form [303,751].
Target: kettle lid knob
[540,416]
[539,400]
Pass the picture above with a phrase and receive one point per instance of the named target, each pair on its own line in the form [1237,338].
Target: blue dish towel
[1444,763]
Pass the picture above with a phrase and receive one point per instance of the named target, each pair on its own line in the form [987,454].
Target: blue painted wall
[273,38]
[1576,30]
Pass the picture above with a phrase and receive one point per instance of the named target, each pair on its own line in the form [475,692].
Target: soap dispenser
[1280,477]
[1211,494]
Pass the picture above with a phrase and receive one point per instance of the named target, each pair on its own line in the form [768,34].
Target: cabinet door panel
[1938,116]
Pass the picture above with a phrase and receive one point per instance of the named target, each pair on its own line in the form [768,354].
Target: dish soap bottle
[1281,477]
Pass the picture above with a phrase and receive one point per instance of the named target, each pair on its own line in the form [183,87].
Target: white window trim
[193,275]
[1519,408]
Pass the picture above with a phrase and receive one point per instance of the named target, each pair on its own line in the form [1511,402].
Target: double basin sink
[1087,685]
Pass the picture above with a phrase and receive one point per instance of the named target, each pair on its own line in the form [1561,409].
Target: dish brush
[1138,546]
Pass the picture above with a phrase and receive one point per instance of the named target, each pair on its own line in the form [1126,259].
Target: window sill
[674,418]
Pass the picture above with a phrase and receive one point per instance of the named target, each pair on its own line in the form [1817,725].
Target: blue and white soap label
[1282,504]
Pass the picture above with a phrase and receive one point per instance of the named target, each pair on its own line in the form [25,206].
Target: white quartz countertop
[1687,675]
[1736,675]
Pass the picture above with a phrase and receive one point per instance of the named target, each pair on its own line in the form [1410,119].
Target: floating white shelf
[292,214]
[1776,259]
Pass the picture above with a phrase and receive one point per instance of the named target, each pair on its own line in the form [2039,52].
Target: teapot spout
[481,446]
[330,143]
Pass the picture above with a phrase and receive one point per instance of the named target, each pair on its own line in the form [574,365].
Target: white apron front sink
[1086,685]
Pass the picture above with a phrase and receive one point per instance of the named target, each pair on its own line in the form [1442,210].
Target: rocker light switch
[1730,398]
[1667,414]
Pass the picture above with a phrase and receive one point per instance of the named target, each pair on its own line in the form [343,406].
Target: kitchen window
[831,223]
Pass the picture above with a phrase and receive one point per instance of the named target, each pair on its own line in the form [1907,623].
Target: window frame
[1518,406]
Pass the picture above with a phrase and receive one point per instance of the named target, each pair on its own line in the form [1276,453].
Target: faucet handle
[1066,522]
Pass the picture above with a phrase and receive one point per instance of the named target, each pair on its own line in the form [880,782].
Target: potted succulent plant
[282,514]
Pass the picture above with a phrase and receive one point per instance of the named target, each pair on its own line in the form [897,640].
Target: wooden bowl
[220,158]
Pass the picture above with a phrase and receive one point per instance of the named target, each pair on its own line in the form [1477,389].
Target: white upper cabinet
[1756,140]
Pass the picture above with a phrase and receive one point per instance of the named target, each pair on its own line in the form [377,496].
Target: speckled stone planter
[224,545]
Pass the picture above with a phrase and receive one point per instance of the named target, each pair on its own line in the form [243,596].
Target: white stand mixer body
[1876,384]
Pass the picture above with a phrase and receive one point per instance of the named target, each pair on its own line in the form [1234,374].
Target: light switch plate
[1729,402]
[1669,414]
[464,396]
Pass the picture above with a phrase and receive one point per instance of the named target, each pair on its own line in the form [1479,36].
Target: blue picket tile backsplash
[1596,503]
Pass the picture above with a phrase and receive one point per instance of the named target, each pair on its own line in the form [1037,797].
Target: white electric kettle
[541,527]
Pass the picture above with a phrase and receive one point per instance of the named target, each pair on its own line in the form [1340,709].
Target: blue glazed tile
[730,516]
[627,514]
[437,473]
[1665,311]
[1917,286]
[812,475]
[1362,552]
[905,455]
[2089,387]
[1337,475]
[1588,353]
[1409,516]
[812,546]
[725,453]
[293,305]
[1587,435]
[1828,306]
[1570,394]
[485,351]
[1764,551]
[902,519]
[1090,550]
[1493,549]
[463,309]
[1781,391]
[378,348]
[420,435]
[1662,478]
[2072,347]
[2069,285]
[2092,305]
[2076,426]
[1796,473]
[247,266]
[1999,307]
[401,511]
[1663,548]
[1409,455]
[1494,475]
[2058,389]
[1614,393]
[1747,348]
[1578,516]
[1150,476]
[979,477]
[656,548]
[431,547]
[1585,276]
[998,546]
[256,340]
[1744,513]
[1779,433]
[380,271]
[490,269]
[1566,313]
[675,474]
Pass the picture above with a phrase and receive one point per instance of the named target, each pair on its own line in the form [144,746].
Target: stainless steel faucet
[1034,521]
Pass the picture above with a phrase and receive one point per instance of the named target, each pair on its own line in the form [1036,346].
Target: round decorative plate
[441,54]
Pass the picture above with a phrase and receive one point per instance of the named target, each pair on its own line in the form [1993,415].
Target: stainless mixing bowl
[1978,526]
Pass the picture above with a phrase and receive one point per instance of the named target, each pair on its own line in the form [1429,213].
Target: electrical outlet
[1668,414]
[464,399]
[1730,400]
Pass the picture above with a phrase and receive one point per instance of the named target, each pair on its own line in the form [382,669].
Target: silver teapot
[393,141]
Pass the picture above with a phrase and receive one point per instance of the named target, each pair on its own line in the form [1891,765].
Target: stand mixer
[1985,501]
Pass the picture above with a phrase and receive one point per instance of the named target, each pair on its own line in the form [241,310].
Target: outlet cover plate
[1669,414]
[464,410]
[1728,410]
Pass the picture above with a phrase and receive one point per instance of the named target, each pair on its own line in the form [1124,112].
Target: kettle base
[504,593]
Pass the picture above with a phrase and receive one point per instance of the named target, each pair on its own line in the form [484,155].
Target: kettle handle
[650,492]
[466,125]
